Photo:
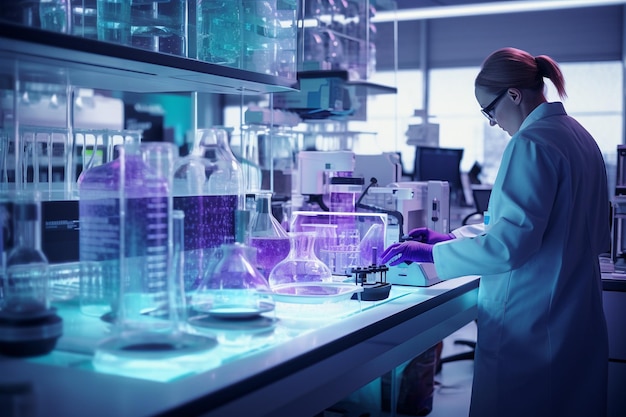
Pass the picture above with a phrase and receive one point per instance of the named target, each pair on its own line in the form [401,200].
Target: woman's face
[499,108]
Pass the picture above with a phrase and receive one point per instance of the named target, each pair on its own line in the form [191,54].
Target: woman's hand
[409,251]
[425,235]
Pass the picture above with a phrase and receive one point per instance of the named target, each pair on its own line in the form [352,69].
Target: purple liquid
[270,251]
[209,220]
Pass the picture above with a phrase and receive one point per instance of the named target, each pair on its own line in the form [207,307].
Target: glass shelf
[369,87]
[34,54]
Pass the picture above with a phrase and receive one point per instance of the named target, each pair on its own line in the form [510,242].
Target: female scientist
[542,346]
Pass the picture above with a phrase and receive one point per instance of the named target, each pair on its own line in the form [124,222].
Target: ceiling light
[487,8]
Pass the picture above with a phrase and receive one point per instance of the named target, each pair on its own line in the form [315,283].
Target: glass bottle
[208,188]
[301,264]
[26,286]
[28,325]
[267,235]
[235,288]
[101,225]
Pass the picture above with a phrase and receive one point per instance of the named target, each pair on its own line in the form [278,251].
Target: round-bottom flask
[301,264]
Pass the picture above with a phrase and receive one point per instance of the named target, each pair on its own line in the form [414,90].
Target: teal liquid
[114,21]
[53,16]
[219,32]
[159,26]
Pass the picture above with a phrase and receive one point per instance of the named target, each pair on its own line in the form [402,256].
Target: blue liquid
[219,32]
[159,26]
[114,21]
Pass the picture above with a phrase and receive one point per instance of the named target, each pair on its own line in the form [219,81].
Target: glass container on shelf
[219,32]
[159,26]
[28,325]
[209,189]
[267,235]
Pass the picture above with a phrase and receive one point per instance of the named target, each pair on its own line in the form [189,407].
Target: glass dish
[314,293]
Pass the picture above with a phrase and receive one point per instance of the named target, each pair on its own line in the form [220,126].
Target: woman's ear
[515,95]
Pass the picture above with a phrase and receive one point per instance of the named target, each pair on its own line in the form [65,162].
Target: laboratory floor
[453,386]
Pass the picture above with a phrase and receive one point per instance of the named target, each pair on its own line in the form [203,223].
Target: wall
[569,35]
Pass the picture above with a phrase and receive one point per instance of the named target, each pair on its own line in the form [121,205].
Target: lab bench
[304,367]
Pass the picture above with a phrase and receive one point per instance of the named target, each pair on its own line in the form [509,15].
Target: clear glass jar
[267,235]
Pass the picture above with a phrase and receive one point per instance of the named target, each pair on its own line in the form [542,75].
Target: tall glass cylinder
[208,188]
[146,246]
[100,229]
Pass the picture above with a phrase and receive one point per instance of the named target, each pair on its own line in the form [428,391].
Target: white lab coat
[542,340]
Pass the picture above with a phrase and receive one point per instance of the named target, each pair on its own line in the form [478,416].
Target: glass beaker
[301,265]
[235,289]
[267,235]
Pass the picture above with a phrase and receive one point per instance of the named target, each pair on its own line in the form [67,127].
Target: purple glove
[409,251]
[425,235]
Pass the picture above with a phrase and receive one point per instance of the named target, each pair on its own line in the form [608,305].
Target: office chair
[481,194]
[442,164]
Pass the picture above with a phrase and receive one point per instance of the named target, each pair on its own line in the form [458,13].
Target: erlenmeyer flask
[234,289]
[267,235]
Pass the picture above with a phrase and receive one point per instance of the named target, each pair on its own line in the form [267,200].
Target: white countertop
[302,368]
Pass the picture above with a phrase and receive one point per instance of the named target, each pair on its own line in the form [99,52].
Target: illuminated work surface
[301,369]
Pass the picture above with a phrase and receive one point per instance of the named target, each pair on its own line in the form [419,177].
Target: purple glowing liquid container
[267,235]
[208,188]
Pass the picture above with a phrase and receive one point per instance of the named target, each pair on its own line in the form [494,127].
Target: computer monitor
[443,164]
